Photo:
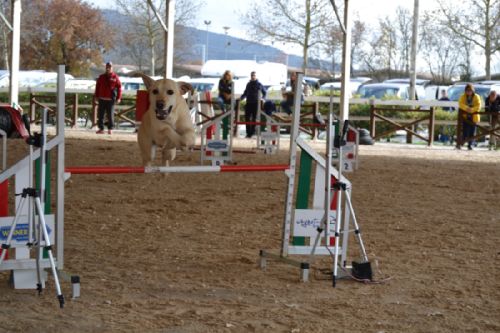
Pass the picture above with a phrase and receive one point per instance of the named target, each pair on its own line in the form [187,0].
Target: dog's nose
[160,105]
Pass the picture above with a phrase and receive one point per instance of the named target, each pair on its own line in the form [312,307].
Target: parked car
[483,90]
[420,85]
[418,82]
[354,84]
[384,90]
[312,82]
[434,92]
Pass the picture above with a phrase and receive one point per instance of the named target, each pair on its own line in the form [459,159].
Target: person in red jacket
[108,91]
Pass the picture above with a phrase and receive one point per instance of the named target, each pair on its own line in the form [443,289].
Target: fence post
[236,117]
[32,108]
[75,111]
[431,126]
[409,136]
[316,112]
[94,112]
[372,120]
[459,128]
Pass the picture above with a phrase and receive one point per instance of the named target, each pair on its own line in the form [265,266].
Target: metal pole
[413,69]
[169,39]
[16,41]
[346,65]
[60,168]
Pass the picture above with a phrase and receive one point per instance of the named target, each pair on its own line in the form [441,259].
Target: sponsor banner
[20,235]
[307,221]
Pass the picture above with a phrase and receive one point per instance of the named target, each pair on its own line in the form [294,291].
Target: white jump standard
[317,230]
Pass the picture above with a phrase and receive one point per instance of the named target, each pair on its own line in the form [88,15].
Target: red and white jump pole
[180,169]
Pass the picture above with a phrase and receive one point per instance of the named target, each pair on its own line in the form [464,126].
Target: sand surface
[179,253]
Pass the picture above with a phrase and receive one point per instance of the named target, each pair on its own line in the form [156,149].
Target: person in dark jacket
[108,91]
[225,89]
[444,97]
[252,91]
[492,105]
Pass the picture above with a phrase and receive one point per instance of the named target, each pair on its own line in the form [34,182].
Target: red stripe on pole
[240,168]
[103,169]
[4,201]
[4,206]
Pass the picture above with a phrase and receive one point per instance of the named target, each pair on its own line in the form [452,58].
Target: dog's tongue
[161,114]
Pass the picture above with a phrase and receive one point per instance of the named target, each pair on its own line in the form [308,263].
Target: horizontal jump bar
[184,169]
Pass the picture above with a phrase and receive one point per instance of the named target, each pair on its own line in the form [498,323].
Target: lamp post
[225,46]
[207,23]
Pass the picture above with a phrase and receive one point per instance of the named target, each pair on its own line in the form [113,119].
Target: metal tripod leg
[357,232]
[321,228]
[48,247]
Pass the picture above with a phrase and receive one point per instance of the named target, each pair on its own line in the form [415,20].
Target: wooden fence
[378,110]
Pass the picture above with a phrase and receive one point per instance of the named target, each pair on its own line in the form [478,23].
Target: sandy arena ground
[179,253]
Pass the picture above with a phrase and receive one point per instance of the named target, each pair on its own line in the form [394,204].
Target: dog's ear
[148,82]
[184,87]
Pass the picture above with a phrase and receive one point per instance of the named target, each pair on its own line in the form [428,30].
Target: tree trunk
[487,43]
[307,33]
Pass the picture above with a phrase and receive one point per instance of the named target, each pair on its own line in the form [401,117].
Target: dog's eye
[155,91]
[170,92]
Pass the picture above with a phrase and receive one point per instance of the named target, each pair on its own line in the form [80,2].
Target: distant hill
[220,47]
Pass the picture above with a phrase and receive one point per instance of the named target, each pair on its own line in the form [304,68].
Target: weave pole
[184,169]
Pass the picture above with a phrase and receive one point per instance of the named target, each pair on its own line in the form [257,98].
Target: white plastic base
[27,279]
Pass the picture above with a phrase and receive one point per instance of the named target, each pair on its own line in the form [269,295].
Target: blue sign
[217,145]
[20,232]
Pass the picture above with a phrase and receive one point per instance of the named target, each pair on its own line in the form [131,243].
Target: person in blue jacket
[252,91]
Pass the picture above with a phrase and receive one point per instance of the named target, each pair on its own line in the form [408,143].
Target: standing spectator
[225,89]
[470,104]
[251,93]
[493,107]
[108,91]
[444,97]
[287,103]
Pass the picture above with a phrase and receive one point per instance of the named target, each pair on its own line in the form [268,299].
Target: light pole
[225,46]
[207,23]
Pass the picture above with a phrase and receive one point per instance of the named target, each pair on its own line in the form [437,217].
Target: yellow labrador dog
[166,124]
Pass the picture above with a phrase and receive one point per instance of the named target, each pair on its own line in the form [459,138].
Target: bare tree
[404,20]
[389,47]
[477,21]
[5,33]
[290,21]
[144,38]
[358,39]
[439,49]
